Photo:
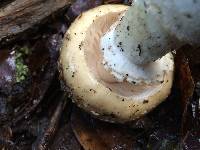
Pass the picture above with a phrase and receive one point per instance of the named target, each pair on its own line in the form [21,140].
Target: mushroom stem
[148,30]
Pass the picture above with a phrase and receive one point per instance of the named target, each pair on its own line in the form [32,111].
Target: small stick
[51,129]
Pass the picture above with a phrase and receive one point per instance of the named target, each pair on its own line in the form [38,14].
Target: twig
[51,129]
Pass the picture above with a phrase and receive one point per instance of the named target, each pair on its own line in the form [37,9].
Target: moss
[21,68]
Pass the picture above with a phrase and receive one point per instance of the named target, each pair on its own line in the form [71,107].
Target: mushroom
[116,59]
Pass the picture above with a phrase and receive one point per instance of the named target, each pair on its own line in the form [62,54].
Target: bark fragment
[20,15]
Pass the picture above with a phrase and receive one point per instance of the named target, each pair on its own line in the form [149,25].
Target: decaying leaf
[97,135]
[186,86]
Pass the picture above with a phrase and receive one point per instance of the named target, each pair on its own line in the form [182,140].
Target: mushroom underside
[94,88]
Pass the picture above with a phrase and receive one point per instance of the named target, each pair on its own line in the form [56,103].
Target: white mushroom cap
[93,89]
